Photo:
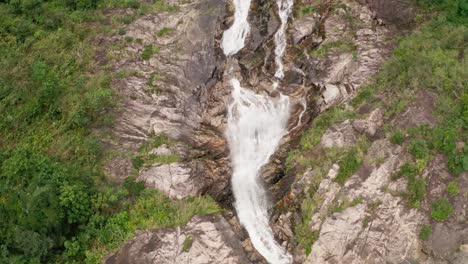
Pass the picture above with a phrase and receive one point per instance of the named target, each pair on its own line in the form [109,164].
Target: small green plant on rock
[425,232]
[418,149]
[165,31]
[441,209]
[149,51]
[452,189]
[187,243]
[397,138]
[348,165]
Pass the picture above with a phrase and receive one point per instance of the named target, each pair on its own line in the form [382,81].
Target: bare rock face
[347,133]
[205,239]
[174,179]
[175,90]
[348,51]
[378,230]
[397,12]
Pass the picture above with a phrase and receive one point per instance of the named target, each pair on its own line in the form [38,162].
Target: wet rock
[205,239]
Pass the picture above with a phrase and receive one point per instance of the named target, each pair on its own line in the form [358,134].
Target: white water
[234,37]
[284,10]
[256,124]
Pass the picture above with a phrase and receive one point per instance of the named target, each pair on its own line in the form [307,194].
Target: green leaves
[348,165]
[441,209]
[76,203]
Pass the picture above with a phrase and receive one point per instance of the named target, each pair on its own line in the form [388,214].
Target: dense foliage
[55,204]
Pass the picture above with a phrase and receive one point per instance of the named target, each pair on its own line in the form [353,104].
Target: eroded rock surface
[205,239]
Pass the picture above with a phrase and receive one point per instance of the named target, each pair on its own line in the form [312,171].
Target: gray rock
[175,179]
[205,239]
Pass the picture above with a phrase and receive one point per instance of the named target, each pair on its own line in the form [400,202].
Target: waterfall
[284,10]
[256,124]
[234,37]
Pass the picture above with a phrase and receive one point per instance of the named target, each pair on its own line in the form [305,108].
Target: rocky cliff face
[181,91]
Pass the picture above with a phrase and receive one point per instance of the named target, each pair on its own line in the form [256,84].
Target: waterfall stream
[256,124]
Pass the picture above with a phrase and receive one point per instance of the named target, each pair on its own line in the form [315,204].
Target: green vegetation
[397,138]
[348,165]
[340,46]
[307,10]
[305,237]
[418,149]
[144,157]
[165,31]
[149,51]
[56,206]
[452,189]
[432,58]
[312,136]
[346,204]
[416,187]
[425,232]
[187,243]
[152,209]
[441,209]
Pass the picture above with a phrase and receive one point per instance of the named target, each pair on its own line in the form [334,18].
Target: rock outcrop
[182,91]
[205,239]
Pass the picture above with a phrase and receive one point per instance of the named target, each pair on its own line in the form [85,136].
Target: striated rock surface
[182,91]
[205,239]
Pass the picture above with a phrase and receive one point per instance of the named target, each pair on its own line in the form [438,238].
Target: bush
[425,232]
[441,209]
[458,162]
[397,138]
[416,191]
[418,149]
[149,51]
[452,189]
[348,165]
[409,170]
[444,140]
[164,31]
[312,136]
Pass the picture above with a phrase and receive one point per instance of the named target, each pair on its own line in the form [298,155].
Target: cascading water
[284,10]
[234,37]
[256,124]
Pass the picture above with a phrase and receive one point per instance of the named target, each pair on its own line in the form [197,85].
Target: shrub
[444,140]
[187,243]
[164,31]
[441,209]
[458,162]
[312,136]
[452,188]
[425,232]
[148,52]
[416,191]
[397,138]
[348,165]
[418,149]
[409,170]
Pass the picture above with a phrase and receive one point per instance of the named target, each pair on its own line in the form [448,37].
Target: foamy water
[256,124]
